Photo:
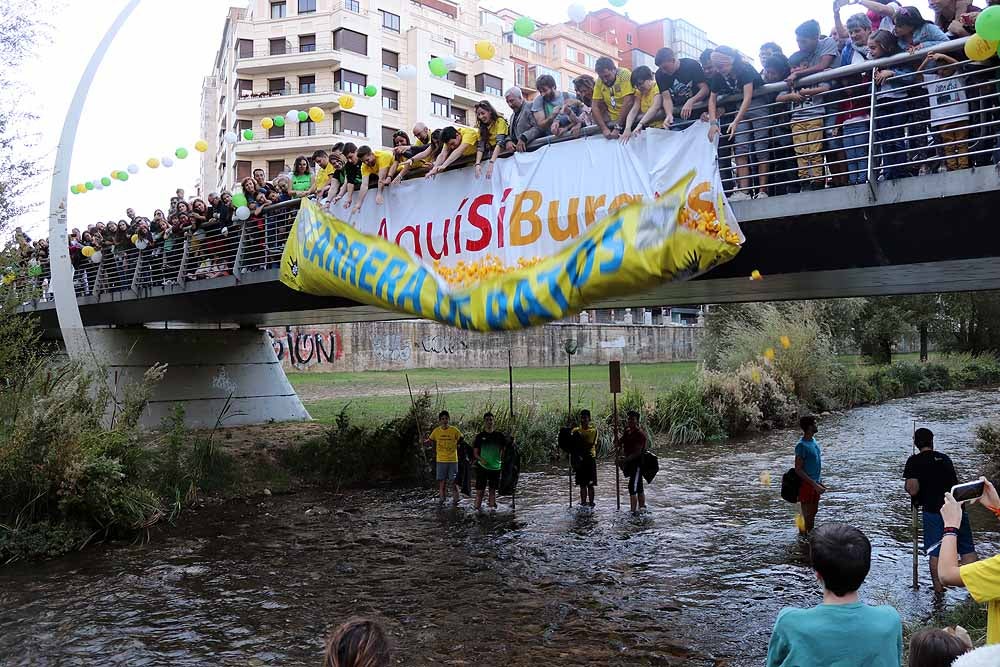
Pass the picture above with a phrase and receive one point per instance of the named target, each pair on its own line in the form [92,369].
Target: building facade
[279,55]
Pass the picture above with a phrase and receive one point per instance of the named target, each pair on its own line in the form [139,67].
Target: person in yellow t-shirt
[648,106]
[492,136]
[586,471]
[373,163]
[324,170]
[446,439]
[456,142]
[613,97]
[982,578]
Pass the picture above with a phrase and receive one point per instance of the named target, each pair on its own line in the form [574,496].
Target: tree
[879,325]
[922,311]
[971,322]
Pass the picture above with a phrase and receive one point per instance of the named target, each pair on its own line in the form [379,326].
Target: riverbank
[698,582]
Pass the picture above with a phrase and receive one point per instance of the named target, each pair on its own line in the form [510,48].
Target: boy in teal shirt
[843,631]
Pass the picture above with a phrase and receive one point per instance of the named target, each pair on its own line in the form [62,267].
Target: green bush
[681,414]
[988,442]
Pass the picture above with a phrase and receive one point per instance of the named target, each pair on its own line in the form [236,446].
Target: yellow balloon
[87,251]
[346,102]
[267,123]
[485,50]
[980,49]
[135,237]
[201,145]
[317,115]
[152,163]
[800,523]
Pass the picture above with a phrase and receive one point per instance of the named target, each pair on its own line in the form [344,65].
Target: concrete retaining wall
[404,344]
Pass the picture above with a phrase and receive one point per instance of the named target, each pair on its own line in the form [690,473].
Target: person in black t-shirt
[929,475]
[681,78]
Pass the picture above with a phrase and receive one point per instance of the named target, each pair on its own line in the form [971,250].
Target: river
[696,582]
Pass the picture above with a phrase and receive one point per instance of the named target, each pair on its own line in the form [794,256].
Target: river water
[698,581]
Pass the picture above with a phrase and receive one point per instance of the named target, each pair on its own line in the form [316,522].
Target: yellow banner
[675,237]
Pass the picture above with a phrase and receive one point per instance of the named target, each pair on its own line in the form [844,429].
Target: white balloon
[225,231]
[167,162]
[450,61]
[230,137]
[98,185]
[577,13]
[133,169]
[96,257]
[242,213]
[408,72]
[292,116]
[141,244]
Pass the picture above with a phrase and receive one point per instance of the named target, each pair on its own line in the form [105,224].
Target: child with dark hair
[633,446]
[891,108]
[357,643]
[446,439]
[809,468]
[586,471]
[492,136]
[914,32]
[842,630]
[931,647]
[650,107]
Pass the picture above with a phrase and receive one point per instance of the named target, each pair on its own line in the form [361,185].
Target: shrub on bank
[988,443]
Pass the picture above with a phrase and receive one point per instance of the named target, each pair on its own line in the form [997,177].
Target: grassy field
[380,394]
[377,395]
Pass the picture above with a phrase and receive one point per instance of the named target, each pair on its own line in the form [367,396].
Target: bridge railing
[914,130]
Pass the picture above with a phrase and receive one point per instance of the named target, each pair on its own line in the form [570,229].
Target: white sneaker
[739,196]
[761,194]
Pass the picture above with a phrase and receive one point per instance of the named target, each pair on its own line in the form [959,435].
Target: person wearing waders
[808,466]
[633,443]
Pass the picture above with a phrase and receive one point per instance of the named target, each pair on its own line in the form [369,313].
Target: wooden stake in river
[420,434]
[615,373]
[510,386]
[913,514]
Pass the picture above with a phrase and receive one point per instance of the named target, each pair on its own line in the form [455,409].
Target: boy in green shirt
[488,450]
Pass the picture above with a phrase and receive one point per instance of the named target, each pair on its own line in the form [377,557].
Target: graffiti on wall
[390,347]
[443,344]
[304,349]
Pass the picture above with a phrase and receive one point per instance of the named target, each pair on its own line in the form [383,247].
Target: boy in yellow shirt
[981,578]
[613,97]
[586,471]
[457,142]
[446,439]
[373,163]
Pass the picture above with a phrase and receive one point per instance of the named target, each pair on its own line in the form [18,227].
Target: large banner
[549,234]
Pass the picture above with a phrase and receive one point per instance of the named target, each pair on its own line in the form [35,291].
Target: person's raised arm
[838,25]
[948,564]
[878,8]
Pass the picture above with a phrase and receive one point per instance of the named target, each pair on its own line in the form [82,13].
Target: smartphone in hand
[969,491]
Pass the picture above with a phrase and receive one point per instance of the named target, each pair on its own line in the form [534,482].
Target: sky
[145,100]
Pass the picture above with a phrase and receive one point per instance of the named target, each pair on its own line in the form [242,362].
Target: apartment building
[278,55]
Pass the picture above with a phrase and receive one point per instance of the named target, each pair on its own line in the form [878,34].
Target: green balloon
[988,23]
[89,185]
[34,270]
[303,116]
[122,175]
[279,121]
[74,189]
[437,66]
[106,181]
[239,199]
[524,26]
[181,153]
[370,90]
[248,135]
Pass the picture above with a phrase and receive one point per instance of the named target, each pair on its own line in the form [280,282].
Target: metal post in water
[510,386]
[569,414]
[871,142]
[614,421]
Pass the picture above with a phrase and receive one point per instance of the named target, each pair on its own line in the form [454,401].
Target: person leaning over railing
[648,105]
[891,105]
[982,578]
[522,129]
[857,107]
[493,131]
[613,97]
[681,82]
[583,116]
[949,110]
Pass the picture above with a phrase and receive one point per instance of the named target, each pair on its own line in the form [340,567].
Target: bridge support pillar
[205,369]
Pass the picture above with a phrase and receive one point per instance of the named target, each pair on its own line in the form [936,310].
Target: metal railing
[911,131]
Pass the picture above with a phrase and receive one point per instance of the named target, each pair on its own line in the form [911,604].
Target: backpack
[510,470]
[790,485]
[650,466]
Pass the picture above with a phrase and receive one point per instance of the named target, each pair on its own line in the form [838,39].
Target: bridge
[926,233]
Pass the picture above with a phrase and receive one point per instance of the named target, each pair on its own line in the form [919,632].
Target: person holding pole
[586,470]
[446,439]
[929,475]
[633,443]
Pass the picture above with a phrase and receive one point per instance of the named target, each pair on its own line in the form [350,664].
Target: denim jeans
[891,136]
[856,145]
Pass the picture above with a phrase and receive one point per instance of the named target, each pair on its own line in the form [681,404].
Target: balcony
[294,143]
[281,101]
[263,61]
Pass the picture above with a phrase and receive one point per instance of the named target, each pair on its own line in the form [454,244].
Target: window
[390,99]
[628,38]
[276,86]
[307,84]
[390,21]
[275,168]
[387,133]
[245,48]
[350,82]
[243,125]
[460,116]
[519,75]
[243,169]
[276,132]
[279,47]
[307,128]
[307,6]
[307,43]
[345,122]
[352,6]
[572,54]
[244,87]
[459,79]
[489,84]
[348,40]
[590,60]
[390,60]
[440,106]
[279,10]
